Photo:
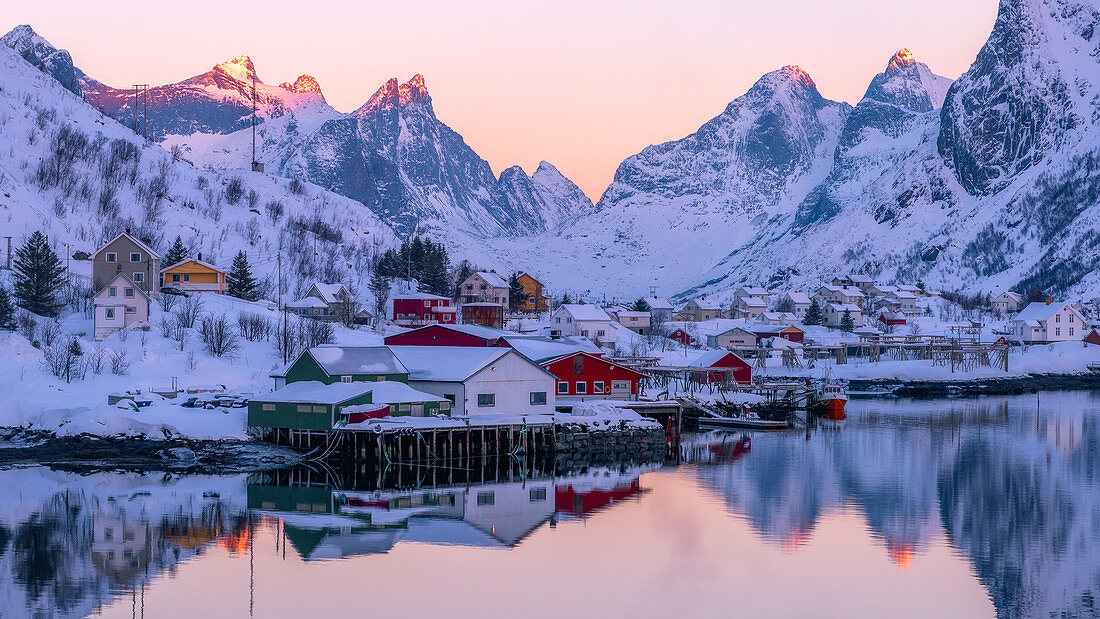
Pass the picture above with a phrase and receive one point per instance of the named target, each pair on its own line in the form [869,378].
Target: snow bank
[600,414]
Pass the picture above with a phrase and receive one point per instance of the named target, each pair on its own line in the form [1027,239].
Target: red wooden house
[725,360]
[582,375]
[448,335]
[891,318]
[418,309]
[791,334]
[680,336]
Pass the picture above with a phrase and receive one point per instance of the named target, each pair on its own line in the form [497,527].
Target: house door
[620,390]
[417,410]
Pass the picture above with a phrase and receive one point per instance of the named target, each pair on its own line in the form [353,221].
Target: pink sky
[582,84]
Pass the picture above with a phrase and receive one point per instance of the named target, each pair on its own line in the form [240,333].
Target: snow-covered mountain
[1000,188]
[57,63]
[81,178]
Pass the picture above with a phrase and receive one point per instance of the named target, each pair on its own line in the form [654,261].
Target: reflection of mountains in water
[1017,488]
[70,543]
[321,521]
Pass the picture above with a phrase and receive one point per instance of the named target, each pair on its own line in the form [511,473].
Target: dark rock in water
[181,454]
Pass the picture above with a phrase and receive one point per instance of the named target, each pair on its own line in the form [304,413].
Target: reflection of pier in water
[325,514]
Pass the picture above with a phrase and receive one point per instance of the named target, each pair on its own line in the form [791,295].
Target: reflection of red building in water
[728,452]
[580,502]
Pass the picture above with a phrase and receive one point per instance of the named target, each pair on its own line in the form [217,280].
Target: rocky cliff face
[57,63]
[998,189]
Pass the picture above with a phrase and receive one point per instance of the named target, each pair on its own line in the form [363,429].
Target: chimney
[200,255]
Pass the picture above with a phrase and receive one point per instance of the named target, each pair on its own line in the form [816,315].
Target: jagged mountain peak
[901,58]
[239,68]
[57,63]
[304,83]
[908,84]
[798,74]
[396,95]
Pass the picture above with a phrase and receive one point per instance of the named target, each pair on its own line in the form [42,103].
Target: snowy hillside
[977,196]
[82,178]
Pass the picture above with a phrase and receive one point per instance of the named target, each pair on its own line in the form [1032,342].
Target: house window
[582,387]
[269,406]
[1071,318]
[381,379]
[112,256]
[600,333]
[621,385]
[444,406]
[537,494]
[139,277]
[578,365]
[486,399]
[1058,318]
[597,387]
[1057,331]
[584,333]
[110,312]
[486,498]
[135,257]
[320,409]
[427,304]
[538,398]
[563,386]
[1071,331]
[304,408]
[175,277]
[345,379]
[186,277]
[133,310]
[450,396]
[112,292]
[129,293]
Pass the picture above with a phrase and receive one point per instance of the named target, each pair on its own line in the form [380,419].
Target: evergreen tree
[433,275]
[813,314]
[39,276]
[7,311]
[379,289]
[462,273]
[239,281]
[641,306]
[846,323]
[565,300]
[176,254]
[517,296]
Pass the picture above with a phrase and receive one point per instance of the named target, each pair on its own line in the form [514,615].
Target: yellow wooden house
[193,275]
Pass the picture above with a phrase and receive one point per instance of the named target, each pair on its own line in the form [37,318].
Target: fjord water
[956,508]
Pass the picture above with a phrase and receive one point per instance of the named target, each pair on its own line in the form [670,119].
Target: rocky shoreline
[88,452]
[575,444]
[1016,385]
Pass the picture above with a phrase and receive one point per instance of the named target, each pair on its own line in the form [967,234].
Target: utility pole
[9,252]
[282,306]
[143,90]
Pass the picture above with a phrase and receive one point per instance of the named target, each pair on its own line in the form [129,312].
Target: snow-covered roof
[419,295]
[633,314]
[861,278]
[909,288]
[710,357]
[350,360]
[483,304]
[852,291]
[703,304]
[307,302]
[482,331]
[840,307]
[494,280]
[134,240]
[1011,295]
[753,291]
[317,392]
[585,312]
[1040,311]
[328,292]
[903,294]
[392,392]
[540,349]
[453,364]
[798,297]
[196,261]
[751,302]
[659,303]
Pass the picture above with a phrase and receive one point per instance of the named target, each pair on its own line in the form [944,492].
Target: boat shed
[346,364]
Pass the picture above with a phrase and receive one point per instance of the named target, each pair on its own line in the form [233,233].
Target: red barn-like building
[791,334]
[448,335]
[582,376]
[1093,337]
[724,359]
[418,309]
[681,336]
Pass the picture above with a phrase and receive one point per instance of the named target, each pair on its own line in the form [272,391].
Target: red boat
[830,401]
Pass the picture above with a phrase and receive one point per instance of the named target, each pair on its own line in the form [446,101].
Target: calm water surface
[965,508]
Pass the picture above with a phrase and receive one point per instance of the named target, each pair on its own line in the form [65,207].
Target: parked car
[172,290]
[195,402]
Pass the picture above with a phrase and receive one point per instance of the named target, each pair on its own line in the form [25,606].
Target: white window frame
[597,386]
[543,398]
[111,257]
[112,291]
[561,384]
[346,379]
[486,400]
[139,277]
[582,387]
[111,313]
[135,253]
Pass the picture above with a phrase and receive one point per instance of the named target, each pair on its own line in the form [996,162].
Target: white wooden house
[799,302]
[323,302]
[699,310]
[121,304]
[1007,302]
[484,287]
[590,321]
[834,314]
[1049,322]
